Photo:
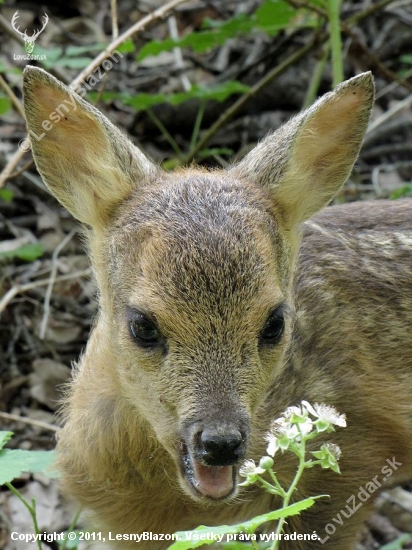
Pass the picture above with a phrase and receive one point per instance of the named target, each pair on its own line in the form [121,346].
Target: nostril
[221,448]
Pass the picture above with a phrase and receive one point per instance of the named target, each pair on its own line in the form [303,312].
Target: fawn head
[194,267]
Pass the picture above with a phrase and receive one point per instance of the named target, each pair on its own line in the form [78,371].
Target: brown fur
[208,255]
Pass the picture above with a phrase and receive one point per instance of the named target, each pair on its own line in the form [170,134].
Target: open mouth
[213,482]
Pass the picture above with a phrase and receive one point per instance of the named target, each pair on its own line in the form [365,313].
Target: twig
[159,13]
[30,421]
[177,52]
[10,166]
[375,61]
[21,170]
[388,114]
[346,28]
[19,289]
[233,109]
[368,11]
[115,26]
[52,279]
[16,103]
[140,25]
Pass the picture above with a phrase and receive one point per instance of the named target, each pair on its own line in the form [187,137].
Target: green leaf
[74,51]
[15,461]
[5,105]
[73,63]
[406,58]
[4,69]
[51,55]
[217,93]
[27,252]
[127,46]
[4,437]
[6,195]
[405,191]
[274,15]
[71,57]
[193,539]
[71,544]
[215,35]
[398,543]
[234,545]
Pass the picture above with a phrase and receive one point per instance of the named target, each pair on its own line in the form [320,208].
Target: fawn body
[206,332]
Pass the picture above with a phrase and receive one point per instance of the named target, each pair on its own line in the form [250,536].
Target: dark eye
[144,330]
[275,325]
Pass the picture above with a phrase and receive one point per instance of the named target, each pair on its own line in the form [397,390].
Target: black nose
[221,448]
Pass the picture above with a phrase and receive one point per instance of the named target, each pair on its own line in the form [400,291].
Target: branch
[19,289]
[13,98]
[31,421]
[140,25]
[233,109]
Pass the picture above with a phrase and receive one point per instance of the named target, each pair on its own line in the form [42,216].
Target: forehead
[200,238]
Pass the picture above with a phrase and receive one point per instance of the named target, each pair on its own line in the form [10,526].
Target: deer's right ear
[87,163]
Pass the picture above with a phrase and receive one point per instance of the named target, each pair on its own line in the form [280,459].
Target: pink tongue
[213,481]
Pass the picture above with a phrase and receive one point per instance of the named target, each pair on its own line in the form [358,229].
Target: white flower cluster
[298,423]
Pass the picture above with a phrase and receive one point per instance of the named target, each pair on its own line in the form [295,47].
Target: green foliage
[5,105]
[127,46]
[15,461]
[249,527]
[398,544]
[405,191]
[6,195]
[27,252]
[271,17]
[72,57]
[4,69]
[217,93]
[406,59]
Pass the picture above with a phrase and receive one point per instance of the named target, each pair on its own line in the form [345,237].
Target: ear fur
[87,163]
[307,160]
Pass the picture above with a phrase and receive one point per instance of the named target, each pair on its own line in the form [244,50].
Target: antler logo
[28,40]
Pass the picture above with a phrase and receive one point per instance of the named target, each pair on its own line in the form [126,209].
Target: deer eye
[274,327]
[144,330]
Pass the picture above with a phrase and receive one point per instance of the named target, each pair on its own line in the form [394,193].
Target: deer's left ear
[308,159]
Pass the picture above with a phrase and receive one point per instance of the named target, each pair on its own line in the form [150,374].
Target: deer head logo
[28,40]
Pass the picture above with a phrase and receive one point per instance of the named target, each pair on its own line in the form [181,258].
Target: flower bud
[266,462]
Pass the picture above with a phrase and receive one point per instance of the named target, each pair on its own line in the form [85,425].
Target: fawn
[213,319]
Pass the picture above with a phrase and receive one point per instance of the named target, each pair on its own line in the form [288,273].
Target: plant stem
[288,496]
[272,489]
[71,527]
[165,133]
[196,127]
[316,78]
[233,109]
[282,492]
[335,40]
[31,508]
